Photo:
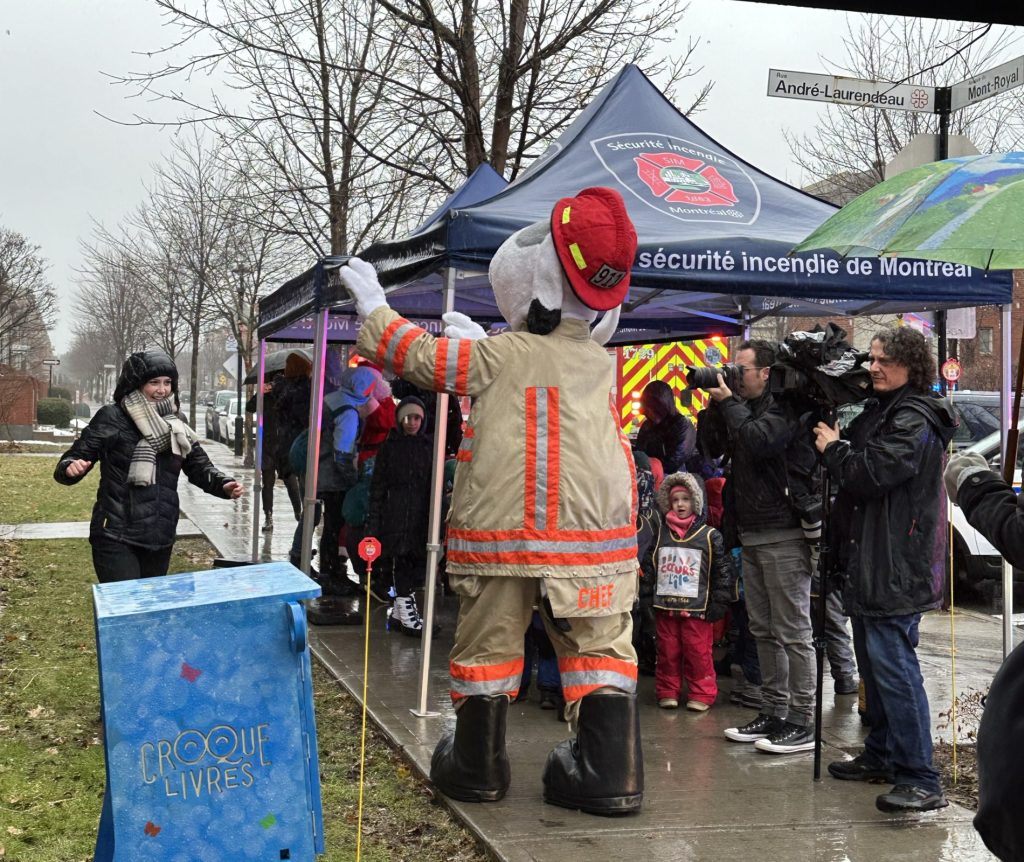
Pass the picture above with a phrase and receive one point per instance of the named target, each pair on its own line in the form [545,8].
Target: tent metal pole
[434,524]
[316,410]
[1006,420]
[257,485]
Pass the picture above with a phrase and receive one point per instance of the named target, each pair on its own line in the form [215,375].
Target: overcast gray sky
[61,164]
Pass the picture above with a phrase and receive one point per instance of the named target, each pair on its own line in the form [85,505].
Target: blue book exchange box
[207,702]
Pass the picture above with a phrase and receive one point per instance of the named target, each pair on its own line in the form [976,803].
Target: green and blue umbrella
[967,210]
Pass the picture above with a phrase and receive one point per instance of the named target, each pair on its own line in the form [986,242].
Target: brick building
[19,395]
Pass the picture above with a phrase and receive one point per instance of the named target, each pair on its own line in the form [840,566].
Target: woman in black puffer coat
[399,509]
[142,445]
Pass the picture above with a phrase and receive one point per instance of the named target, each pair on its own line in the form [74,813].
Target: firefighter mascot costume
[544,503]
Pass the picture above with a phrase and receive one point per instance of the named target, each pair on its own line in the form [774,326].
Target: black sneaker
[861,768]
[760,728]
[791,739]
[907,797]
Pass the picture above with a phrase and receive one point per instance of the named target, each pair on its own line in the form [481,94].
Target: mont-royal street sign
[987,84]
[838,90]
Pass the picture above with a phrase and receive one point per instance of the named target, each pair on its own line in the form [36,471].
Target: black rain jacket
[143,516]
[890,502]
[773,478]
[995,510]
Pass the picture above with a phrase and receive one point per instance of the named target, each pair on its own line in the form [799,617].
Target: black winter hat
[143,366]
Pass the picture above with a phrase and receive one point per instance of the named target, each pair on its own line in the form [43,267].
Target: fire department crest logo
[680,178]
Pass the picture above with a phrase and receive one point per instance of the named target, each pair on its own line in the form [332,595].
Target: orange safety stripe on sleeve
[464,455]
[440,363]
[398,363]
[462,372]
[385,339]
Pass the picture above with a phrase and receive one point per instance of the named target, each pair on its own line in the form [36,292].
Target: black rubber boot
[601,771]
[471,764]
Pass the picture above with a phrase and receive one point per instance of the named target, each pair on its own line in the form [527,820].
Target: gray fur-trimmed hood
[692,482]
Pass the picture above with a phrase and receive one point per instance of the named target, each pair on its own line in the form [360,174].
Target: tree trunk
[504,97]
[194,374]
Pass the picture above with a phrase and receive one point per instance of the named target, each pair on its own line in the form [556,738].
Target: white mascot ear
[607,326]
[524,268]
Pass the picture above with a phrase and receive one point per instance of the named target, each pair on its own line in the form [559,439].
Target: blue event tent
[715,232]
[715,236]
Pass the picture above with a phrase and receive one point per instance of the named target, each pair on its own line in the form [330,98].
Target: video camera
[817,366]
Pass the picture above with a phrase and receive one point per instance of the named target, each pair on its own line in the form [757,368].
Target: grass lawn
[29,494]
[51,753]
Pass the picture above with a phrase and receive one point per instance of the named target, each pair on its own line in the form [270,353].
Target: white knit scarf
[161,429]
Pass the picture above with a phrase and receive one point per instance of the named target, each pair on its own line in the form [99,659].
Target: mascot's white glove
[959,468]
[458,325]
[360,278]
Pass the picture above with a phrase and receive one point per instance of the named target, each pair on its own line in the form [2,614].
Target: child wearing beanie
[693,585]
[399,510]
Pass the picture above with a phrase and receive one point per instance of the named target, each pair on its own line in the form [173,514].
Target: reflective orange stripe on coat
[542,547]
[487,679]
[543,458]
[451,365]
[394,343]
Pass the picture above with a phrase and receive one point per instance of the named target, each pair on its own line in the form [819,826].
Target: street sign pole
[943,103]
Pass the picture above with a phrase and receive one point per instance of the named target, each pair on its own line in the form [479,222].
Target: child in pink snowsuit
[693,586]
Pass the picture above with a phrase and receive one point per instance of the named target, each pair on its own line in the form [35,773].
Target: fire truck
[637,365]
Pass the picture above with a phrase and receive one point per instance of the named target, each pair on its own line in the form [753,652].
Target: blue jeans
[897,706]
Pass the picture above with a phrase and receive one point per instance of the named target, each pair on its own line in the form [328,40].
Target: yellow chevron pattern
[640,364]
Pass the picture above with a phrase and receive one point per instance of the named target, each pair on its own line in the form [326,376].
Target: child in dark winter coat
[399,509]
[693,586]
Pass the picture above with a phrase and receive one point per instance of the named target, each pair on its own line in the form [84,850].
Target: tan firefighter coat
[545,483]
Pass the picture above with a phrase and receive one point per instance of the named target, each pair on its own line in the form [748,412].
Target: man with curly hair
[888,470]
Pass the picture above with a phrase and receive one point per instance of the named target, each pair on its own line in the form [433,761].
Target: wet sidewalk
[74,530]
[706,798]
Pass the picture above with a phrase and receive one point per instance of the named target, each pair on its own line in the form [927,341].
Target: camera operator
[772,485]
[889,476]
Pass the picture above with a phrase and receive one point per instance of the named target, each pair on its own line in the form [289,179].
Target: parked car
[979,416]
[227,422]
[974,558]
[220,403]
[977,412]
